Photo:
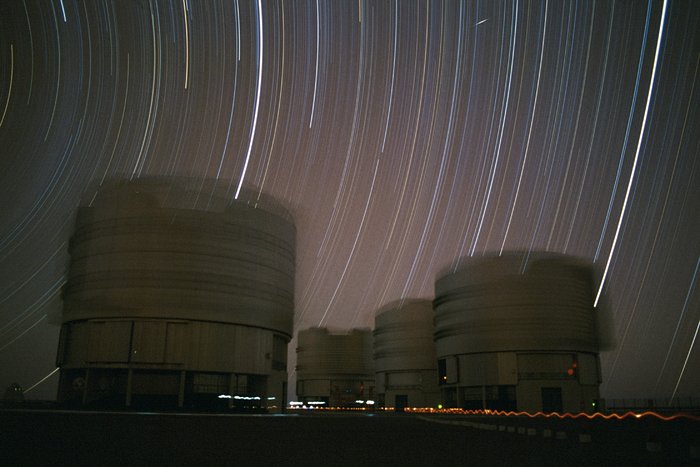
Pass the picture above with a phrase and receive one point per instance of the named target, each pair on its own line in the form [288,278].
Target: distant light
[570,372]
[439,406]
[247,398]
[370,402]
[316,403]
[296,403]
[359,401]
[271,398]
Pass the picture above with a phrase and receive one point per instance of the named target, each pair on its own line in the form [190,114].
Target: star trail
[403,135]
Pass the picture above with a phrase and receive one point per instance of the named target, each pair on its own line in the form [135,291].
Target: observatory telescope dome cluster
[180,296]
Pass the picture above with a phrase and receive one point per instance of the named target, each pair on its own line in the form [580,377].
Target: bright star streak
[692,343]
[63,10]
[257,98]
[41,380]
[636,154]
[678,324]
[9,91]
[393,72]
[627,134]
[187,42]
[318,40]
[151,116]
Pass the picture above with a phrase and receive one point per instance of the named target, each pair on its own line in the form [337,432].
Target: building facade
[404,355]
[177,297]
[518,332]
[335,369]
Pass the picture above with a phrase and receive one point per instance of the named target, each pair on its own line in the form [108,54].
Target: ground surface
[91,438]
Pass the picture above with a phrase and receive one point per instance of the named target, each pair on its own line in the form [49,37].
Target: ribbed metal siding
[516,302]
[137,255]
[403,337]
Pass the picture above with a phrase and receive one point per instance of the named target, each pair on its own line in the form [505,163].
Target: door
[400,402]
[551,400]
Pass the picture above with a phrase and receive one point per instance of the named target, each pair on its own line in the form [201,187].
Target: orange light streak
[589,416]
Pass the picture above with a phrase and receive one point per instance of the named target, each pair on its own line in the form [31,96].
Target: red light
[570,372]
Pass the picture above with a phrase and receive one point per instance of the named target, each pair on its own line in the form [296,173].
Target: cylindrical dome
[177,294]
[330,354]
[403,337]
[157,249]
[514,302]
[404,355]
[334,368]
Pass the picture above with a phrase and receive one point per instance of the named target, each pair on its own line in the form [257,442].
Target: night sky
[402,134]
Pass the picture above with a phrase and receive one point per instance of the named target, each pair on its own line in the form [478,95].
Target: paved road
[85,438]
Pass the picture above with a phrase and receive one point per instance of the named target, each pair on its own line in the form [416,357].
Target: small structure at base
[335,369]
[14,395]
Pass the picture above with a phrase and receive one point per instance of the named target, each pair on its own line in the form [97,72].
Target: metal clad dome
[330,354]
[403,336]
[160,249]
[515,302]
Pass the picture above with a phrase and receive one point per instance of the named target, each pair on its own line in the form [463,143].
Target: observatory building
[177,296]
[518,332]
[404,355]
[334,369]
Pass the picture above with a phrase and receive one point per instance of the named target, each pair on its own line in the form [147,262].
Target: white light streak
[154,76]
[31,48]
[279,104]
[121,122]
[257,97]
[678,325]
[9,91]
[238,34]
[636,154]
[187,42]
[393,72]
[318,44]
[626,140]
[58,77]
[686,360]
[697,264]
[41,380]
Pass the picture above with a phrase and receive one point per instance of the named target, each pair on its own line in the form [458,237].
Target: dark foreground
[92,438]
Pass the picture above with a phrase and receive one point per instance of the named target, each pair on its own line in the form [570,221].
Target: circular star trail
[404,135]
